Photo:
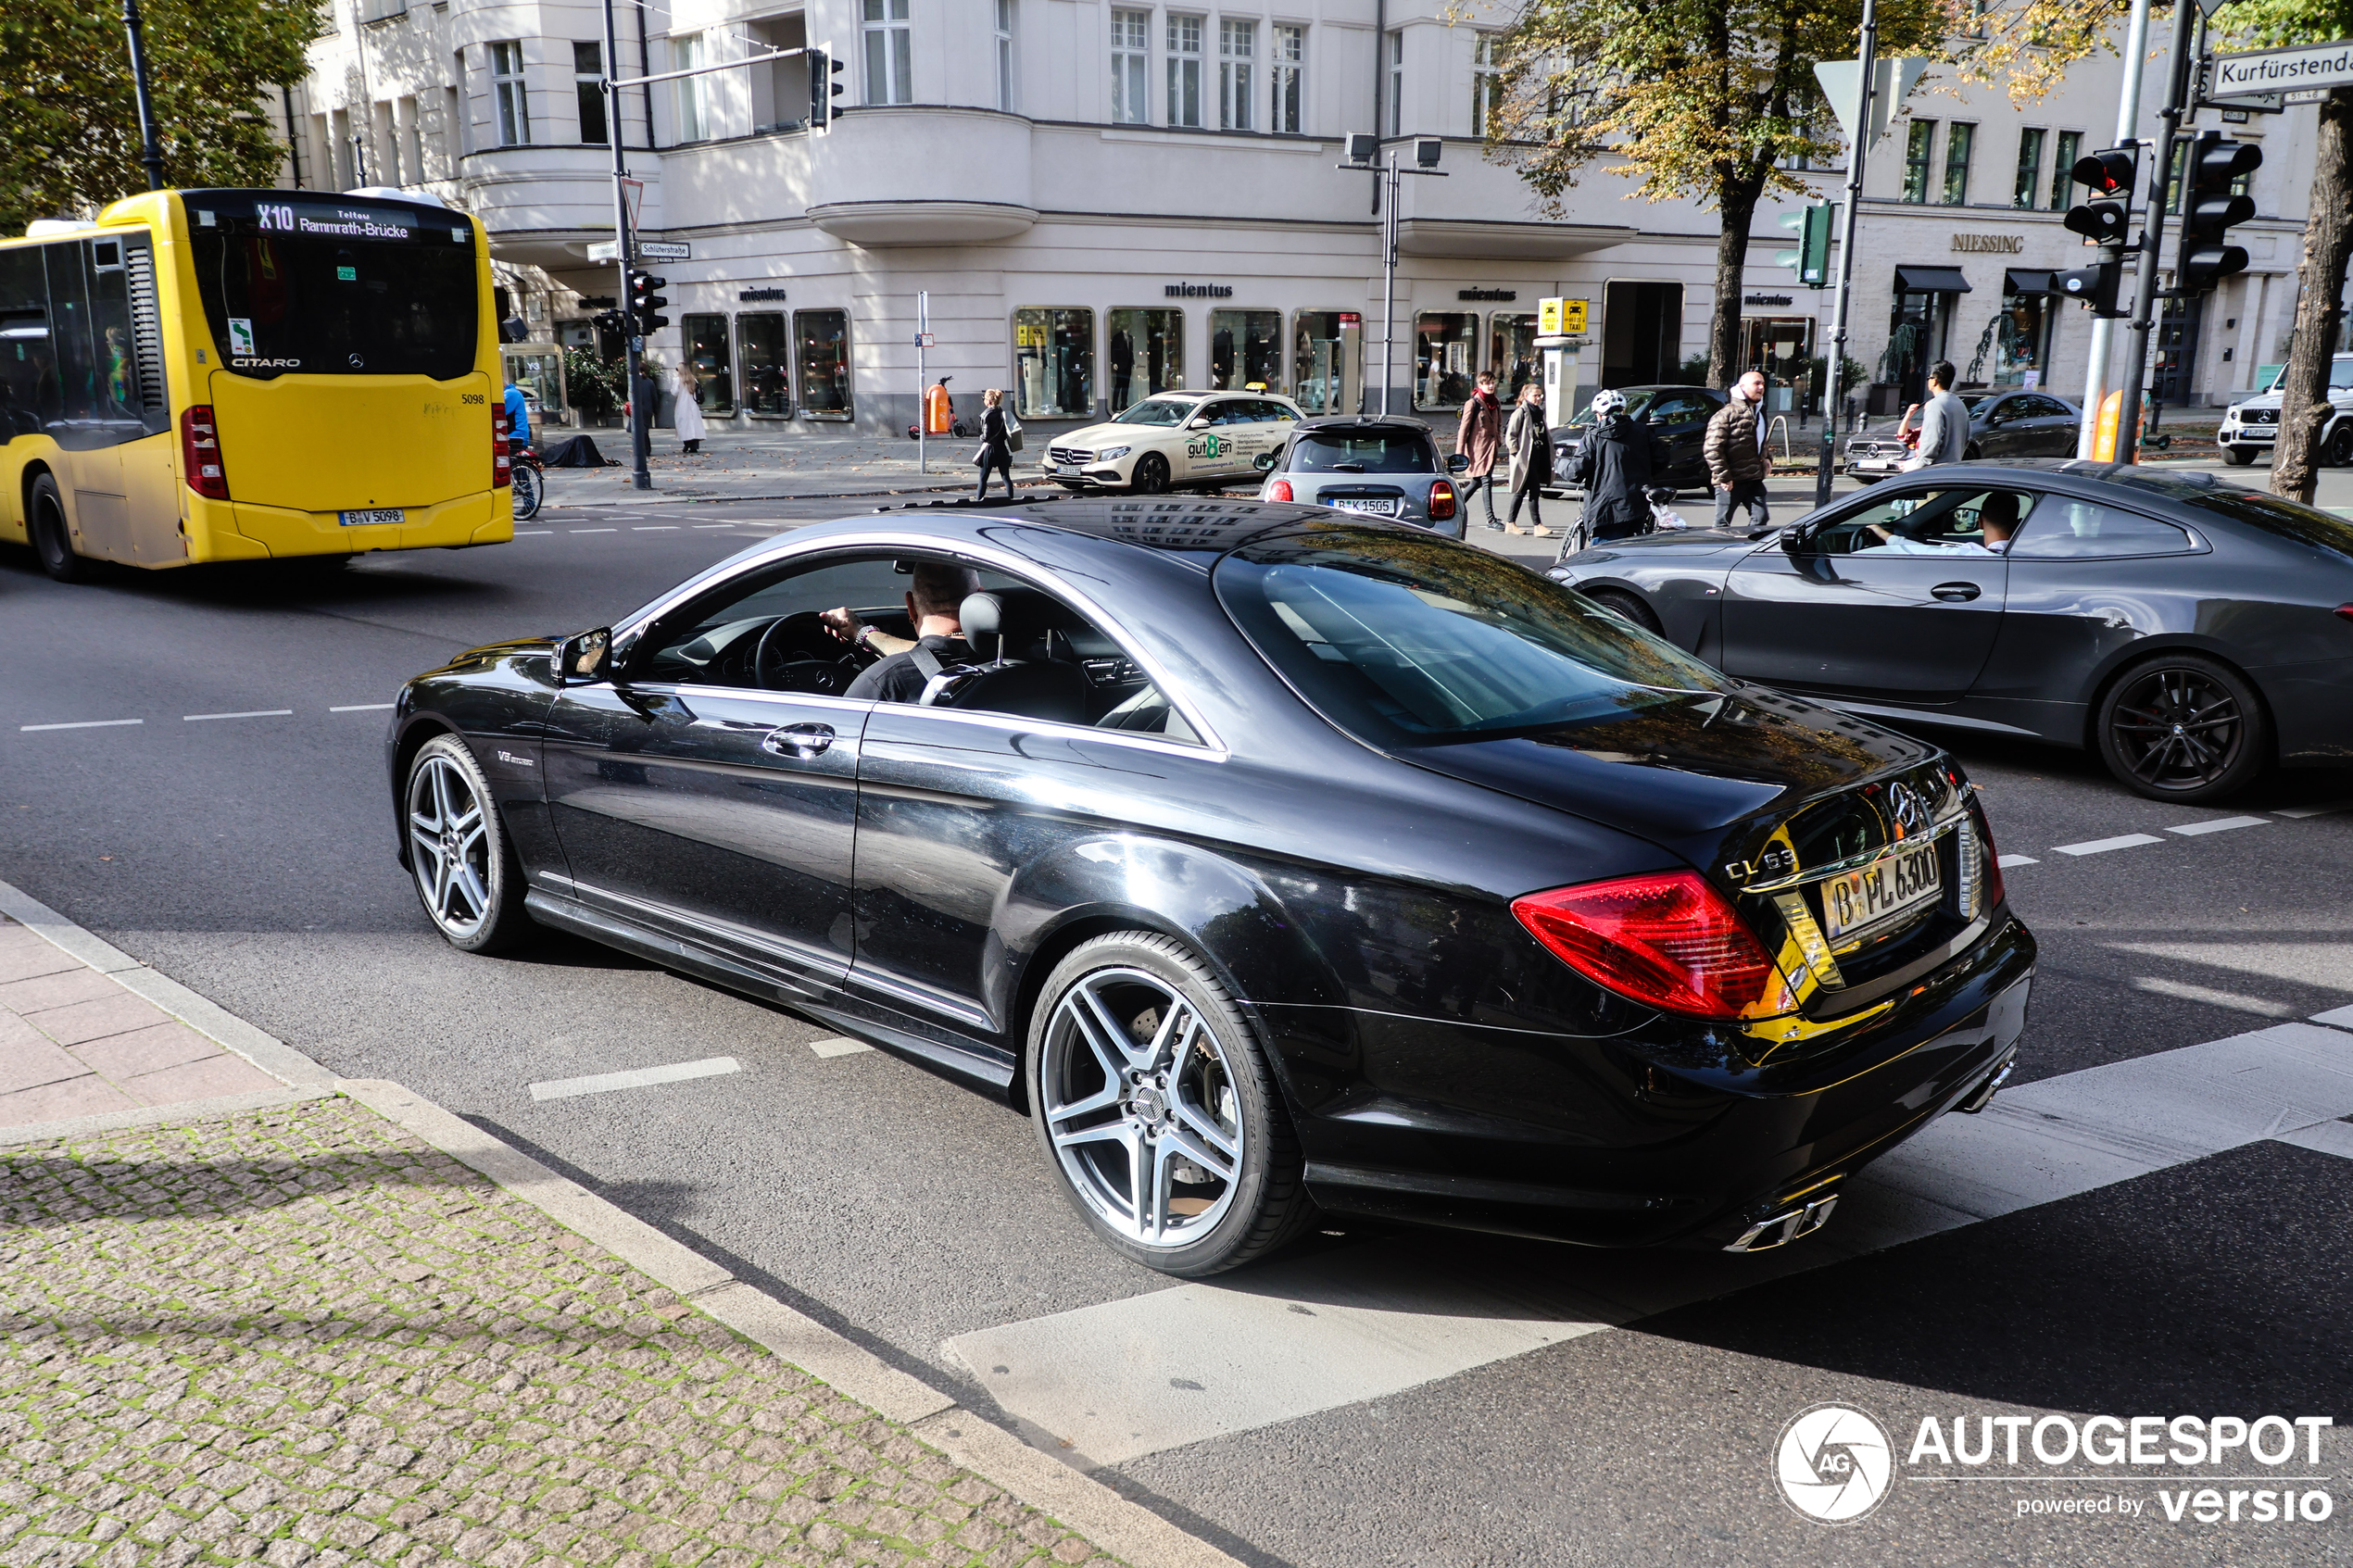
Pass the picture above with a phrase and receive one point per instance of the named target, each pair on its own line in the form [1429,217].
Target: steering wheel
[802,639]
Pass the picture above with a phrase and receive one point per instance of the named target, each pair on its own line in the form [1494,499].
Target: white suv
[2252,424]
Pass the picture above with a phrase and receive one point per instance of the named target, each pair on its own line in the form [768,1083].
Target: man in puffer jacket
[1614,468]
[1735,448]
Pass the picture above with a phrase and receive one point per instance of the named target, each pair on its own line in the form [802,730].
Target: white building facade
[1105,197]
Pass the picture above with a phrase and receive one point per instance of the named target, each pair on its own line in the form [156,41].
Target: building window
[821,343]
[1446,357]
[1147,355]
[692,92]
[1237,55]
[1960,142]
[714,363]
[2070,146]
[1005,54]
[588,82]
[1396,85]
[1920,143]
[1290,66]
[2029,168]
[507,91]
[1511,354]
[407,120]
[1184,71]
[1245,350]
[1486,84]
[767,383]
[890,69]
[1055,363]
[1130,35]
[457,125]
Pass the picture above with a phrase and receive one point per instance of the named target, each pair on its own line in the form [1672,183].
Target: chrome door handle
[798,740]
[1956,592]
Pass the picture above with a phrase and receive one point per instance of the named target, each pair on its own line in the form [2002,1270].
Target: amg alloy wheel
[2184,728]
[465,871]
[1159,1111]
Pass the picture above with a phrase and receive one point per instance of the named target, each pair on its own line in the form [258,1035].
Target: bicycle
[528,480]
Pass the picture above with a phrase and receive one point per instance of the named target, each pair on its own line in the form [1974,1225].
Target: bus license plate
[1860,899]
[372,516]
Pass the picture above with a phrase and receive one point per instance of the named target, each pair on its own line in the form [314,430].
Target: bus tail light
[1278,490]
[200,453]
[501,464]
[1442,501]
[1667,939]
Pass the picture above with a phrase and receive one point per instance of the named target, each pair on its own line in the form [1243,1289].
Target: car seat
[1008,627]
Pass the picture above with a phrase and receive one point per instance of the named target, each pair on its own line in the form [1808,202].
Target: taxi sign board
[1560,318]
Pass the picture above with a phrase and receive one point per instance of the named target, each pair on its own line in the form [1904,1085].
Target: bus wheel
[52,539]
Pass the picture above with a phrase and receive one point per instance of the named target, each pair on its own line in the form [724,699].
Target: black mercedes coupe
[1271,859]
[2192,629]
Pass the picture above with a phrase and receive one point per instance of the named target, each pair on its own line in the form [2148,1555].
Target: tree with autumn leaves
[69,139]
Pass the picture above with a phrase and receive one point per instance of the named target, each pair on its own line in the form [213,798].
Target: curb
[656,498]
[1126,1529]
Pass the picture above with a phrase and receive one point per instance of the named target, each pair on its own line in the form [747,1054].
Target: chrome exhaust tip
[1992,1083]
[1785,1227]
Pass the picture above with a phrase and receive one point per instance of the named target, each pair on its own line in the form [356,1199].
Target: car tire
[1183,1085]
[1627,607]
[1152,474]
[2183,727]
[460,857]
[2339,446]
[2239,457]
[52,538]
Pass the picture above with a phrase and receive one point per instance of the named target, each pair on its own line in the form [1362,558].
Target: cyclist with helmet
[1614,468]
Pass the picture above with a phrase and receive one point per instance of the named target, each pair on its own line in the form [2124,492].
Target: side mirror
[1264,462]
[1458,463]
[584,659]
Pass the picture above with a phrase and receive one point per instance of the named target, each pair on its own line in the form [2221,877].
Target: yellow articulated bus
[249,375]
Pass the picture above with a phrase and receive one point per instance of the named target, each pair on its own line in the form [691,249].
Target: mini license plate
[1854,901]
[372,516]
[1379,509]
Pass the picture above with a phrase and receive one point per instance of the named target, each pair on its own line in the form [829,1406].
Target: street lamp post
[149,153]
[1363,153]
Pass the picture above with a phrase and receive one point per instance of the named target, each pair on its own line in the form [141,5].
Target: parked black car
[2001,424]
[1269,859]
[2190,628]
[1677,414]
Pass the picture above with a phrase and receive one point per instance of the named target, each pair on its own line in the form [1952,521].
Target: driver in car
[1997,515]
[932,609]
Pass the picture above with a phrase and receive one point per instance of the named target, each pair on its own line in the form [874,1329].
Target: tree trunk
[2320,283]
[1737,204]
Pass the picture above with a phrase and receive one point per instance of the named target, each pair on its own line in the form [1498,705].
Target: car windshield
[2242,503]
[1167,412]
[1636,402]
[1408,640]
[1363,451]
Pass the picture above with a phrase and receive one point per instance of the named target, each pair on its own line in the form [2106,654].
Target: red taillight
[200,453]
[1993,862]
[1442,501]
[2345,612]
[1278,490]
[501,465]
[1667,939]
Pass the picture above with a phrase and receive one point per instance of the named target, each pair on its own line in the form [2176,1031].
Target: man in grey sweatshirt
[1944,420]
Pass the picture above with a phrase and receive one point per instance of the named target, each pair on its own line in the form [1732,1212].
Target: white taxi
[1173,439]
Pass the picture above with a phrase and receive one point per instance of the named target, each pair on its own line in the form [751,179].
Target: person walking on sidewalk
[1735,451]
[1479,437]
[1943,423]
[1530,441]
[687,416]
[1614,468]
[996,443]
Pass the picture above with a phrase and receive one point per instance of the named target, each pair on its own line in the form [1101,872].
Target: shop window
[1130,35]
[1920,145]
[1055,363]
[708,354]
[588,86]
[1511,354]
[507,92]
[540,374]
[1290,68]
[1328,365]
[1960,141]
[821,343]
[1147,354]
[1245,350]
[2029,168]
[2020,339]
[766,379]
[890,69]
[1446,357]
[1184,71]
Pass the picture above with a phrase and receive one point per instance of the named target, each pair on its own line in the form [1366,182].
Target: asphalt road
[1422,1399]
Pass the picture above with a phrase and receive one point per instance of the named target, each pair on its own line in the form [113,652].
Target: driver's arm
[863,633]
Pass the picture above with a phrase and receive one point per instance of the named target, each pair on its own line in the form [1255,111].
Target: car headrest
[1006,622]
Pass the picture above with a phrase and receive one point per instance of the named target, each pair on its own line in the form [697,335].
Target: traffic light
[823,88]
[2208,209]
[2094,286]
[1811,259]
[644,304]
[2112,175]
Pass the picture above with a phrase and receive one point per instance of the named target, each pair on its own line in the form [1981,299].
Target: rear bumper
[232,530]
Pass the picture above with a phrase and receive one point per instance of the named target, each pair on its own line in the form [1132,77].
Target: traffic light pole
[2144,303]
[625,247]
[2128,124]
[1833,372]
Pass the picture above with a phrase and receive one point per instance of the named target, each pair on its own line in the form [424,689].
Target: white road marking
[714,525]
[2341,1017]
[594,531]
[636,1078]
[2329,1138]
[2006,861]
[1177,1366]
[2235,1000]
[838,1045]
[2219,825]
[2299,812]
[252,713]
[2102,845]
[533,533]
[2323,965]
[655,528]
[85,724]
[361,707]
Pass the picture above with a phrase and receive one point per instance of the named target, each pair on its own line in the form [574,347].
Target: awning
[1930,280]
[2026,280]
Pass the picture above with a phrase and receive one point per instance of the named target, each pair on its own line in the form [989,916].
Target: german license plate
[1065,468]
[372,516]
[1856,901]
[1379,509]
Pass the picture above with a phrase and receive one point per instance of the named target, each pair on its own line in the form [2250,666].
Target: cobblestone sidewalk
[300,1337]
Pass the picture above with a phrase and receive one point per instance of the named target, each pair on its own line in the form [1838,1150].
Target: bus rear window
[337,288]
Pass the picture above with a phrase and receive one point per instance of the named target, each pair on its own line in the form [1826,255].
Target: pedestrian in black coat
[996,443]
[1615,468]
